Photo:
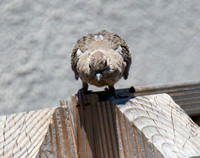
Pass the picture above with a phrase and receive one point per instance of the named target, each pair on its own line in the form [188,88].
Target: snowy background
[36,39]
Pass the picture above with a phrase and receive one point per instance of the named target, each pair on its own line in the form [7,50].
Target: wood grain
[187,95]
[163,124]
[146,126]
[22,134]
[151,126]
[59,140]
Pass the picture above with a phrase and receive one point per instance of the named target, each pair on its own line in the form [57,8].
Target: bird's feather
[111,39]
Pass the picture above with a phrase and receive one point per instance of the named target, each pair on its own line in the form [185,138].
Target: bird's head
[98,63]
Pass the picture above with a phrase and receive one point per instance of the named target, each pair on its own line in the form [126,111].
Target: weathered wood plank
[164,124]
[187,95]
[146,126]
[22,134]
[60,138]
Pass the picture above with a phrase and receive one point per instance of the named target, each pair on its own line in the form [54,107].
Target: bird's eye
[105,63]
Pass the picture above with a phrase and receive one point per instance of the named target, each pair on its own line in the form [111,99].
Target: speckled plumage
[103,52]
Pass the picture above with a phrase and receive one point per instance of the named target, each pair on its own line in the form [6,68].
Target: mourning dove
[100,59]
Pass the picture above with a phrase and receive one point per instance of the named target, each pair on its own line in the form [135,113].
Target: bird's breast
[109,77]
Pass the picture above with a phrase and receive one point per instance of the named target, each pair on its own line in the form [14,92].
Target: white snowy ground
[36,39]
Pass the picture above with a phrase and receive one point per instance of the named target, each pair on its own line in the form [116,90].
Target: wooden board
[147,126]
[59,141]
[151,126]
[21,135]
[163,125]
[187,95]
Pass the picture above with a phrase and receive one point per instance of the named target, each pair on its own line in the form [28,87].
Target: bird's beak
[98,77]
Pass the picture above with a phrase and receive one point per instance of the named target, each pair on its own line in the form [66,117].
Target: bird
[100,59]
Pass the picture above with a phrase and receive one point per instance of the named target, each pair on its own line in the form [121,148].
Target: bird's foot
[81,97]
[111,92]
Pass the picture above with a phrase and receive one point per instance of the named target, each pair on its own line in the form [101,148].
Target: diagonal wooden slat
[21,134]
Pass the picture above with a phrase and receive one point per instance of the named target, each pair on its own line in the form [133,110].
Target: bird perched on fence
[100,59]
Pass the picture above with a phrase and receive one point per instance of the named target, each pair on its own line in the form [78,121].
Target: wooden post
[145,126]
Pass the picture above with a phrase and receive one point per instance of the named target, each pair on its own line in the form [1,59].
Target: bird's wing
[82,45]
[116,41]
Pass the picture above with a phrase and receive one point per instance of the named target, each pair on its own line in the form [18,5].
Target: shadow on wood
[149,126]
[97,129]
[144,126]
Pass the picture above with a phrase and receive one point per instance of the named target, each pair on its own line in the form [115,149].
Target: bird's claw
[113,93]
